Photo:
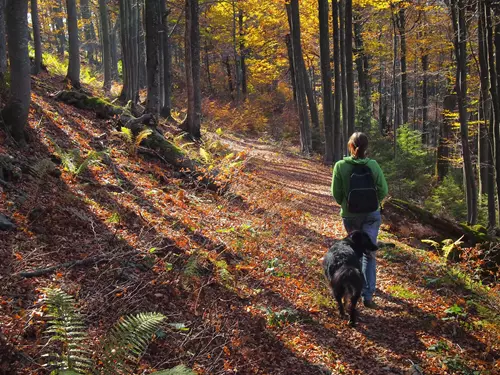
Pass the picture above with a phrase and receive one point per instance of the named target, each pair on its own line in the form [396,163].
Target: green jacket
[342,175]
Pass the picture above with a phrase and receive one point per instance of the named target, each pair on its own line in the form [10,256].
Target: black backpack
[362,195]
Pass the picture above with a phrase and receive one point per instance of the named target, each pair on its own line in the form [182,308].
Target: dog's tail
[350,278]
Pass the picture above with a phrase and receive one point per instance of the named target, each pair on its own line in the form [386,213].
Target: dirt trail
[413,292]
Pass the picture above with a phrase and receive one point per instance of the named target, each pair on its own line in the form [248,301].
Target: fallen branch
[74,263]
[448,228]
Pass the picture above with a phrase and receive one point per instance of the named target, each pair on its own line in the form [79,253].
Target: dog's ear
[362,241]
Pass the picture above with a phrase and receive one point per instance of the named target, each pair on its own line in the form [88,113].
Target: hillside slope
[240,271]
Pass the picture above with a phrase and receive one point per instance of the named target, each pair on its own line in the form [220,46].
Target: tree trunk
[167,63]
[143,71]
[15,114]
[236,56]
[337,128]
[35,20]
[288,42]
[192,51]
[152,18]
[242,57]
[89,31]
[313,110]
[343,77]
[351,105]
[294,23]
[3,42]
[230,85]
[106,46]
[129,14]
[326,79]
[493,47]
[361,61]
[114,40]
[59,25]
[73,75]
[425,99]
[460,39]
[404,80]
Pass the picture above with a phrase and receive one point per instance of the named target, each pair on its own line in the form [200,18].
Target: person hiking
[359,185]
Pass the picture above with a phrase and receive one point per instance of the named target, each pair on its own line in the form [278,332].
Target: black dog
[342,266]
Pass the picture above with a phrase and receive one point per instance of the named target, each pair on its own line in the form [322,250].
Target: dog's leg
[338,293]
[352,309]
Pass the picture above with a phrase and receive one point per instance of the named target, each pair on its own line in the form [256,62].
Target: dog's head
[361,243]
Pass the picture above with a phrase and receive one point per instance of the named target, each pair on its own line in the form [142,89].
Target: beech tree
[73,75]
[15,114]
[192,123]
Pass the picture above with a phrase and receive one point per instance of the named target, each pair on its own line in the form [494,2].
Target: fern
[72,160]
[120,353]
[128,340]
[177,370]
[67,328]
[142,136]
[132,142]
[126,133]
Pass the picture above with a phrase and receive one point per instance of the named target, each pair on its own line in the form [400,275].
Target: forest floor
[239,273]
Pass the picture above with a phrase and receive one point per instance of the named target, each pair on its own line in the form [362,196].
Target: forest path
[414,290]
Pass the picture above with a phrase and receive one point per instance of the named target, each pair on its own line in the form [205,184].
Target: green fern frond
[128,341]
[177,370]
[126,133]
[205,155]
[142,136]
[92,158]
[67,328]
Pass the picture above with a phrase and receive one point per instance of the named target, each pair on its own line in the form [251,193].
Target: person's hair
[358,144]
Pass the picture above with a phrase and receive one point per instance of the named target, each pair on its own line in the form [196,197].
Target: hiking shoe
[370,304]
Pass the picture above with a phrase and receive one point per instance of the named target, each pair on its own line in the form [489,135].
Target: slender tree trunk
[351,105]
[106,47]
[230,85]
[360,60]
[244,87]
[143,71]
[15,114]
[294,23]
[425,99]
[152,18]
[167,63]
[288,42]
[129,14]
[484,102]
[73,75]
[59,25]
[192,50]
[459,26]
[35,20]
[313,109]
[493,45]
[337,127]
[404,78]
[3,42]
[89,31]
[236,56]
[114,40]
[343,77]
[326,79]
